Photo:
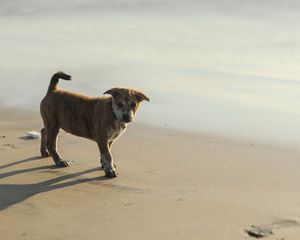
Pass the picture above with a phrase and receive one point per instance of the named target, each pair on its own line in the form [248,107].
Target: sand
[214,155]
[172,185]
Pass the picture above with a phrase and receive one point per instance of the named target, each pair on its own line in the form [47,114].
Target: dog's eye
[132,105]
[120,105]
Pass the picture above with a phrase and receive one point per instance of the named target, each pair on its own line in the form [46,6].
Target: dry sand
[172,185]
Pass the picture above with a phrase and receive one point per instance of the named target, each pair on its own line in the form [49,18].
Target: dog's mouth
[126,119]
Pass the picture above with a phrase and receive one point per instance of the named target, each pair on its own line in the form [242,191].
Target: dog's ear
[141,96]
[114,92]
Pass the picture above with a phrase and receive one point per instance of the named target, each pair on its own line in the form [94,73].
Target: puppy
[101,119]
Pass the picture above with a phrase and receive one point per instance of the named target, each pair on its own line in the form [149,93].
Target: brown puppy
[101,119]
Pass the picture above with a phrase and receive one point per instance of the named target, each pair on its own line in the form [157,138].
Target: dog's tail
[54,80]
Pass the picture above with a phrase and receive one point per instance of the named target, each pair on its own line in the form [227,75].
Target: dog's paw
[45,154]
[62,163]
[111,173]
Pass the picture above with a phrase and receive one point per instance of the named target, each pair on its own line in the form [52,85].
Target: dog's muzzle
[126,118]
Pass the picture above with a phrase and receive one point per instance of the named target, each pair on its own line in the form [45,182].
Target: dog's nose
[126,118]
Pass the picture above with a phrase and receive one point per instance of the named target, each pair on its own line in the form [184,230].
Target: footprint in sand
[284,223]
[268,230]
[259,231]
[9,145]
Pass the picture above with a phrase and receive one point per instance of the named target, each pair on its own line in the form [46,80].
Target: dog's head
[125,102]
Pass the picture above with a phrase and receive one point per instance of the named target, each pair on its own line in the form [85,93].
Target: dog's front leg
[107,159]
[109,147]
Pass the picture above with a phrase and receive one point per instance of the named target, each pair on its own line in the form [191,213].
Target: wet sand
[172,185]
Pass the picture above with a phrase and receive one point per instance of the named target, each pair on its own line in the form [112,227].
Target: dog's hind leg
[43,149]
[51,135]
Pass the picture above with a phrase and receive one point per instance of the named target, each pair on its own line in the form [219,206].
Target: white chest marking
[113,134]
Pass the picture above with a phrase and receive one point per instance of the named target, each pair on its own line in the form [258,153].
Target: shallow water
[222,67]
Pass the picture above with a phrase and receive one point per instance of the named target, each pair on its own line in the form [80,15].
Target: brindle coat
[101,119]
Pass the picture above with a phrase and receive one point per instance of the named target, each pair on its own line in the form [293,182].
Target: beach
[172,185]
[213,155]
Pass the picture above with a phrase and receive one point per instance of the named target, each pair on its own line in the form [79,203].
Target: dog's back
[70,111]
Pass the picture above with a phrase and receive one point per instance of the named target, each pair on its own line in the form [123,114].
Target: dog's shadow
[11,194]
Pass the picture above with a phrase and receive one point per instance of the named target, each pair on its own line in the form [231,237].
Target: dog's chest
[116,131]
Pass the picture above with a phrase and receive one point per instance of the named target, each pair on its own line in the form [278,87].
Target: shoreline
[15,113]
